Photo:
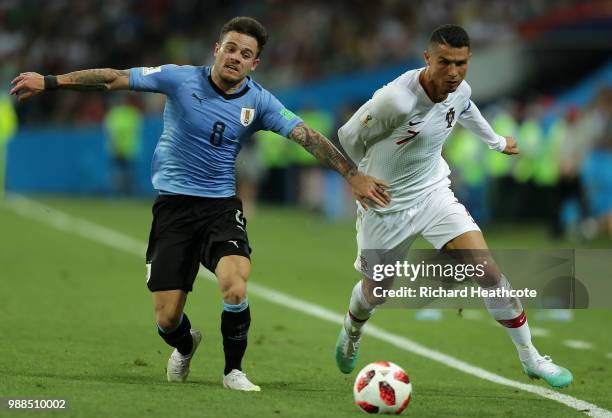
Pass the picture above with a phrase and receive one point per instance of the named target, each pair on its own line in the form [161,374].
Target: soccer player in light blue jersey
[197,218]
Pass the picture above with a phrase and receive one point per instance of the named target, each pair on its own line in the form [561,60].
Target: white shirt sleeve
[472,119]
[373,121]
[352,144]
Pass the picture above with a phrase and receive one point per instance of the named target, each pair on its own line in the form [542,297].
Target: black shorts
[189,230]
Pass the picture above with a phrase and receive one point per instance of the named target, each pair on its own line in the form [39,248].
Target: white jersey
[398,134]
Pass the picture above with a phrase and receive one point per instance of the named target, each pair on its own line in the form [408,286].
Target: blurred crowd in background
[309,39]
[564,175]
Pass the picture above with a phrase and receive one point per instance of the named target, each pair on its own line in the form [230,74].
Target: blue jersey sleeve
[163,79]
[276,118]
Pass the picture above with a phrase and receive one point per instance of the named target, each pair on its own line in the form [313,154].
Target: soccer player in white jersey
[397,136]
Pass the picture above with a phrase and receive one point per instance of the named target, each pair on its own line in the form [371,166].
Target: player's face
[447,66]
[235,57]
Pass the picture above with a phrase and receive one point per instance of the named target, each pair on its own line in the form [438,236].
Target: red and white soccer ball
[382,388]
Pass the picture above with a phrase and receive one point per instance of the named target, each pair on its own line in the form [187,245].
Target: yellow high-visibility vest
[8,119]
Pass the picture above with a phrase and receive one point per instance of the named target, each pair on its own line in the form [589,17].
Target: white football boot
[542,367]
[237,380]
[178,364]
[347,346]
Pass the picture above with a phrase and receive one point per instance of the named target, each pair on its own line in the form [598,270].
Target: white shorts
[386,238]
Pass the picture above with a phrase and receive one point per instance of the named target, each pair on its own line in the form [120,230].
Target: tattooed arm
[27,85]
[323,150]
[364,187]
[97,79]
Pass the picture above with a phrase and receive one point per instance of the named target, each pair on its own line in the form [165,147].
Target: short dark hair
[451,35]
[246,26]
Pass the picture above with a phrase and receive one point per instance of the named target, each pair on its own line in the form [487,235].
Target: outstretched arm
[27,85]
[364,187]
[472,119]
[319,146]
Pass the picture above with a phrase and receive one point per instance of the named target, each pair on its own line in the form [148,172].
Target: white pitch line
[98,233]
[472,314]
[539,332]
[578,344]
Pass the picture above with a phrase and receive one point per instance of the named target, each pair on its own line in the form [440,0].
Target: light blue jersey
[204,127]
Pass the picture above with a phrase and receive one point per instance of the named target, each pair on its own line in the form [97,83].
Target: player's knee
[232,273]
[168,315]
[233,277]
[234,293]
[232,270]
[168,319]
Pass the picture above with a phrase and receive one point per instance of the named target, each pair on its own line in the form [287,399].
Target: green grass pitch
[76,323]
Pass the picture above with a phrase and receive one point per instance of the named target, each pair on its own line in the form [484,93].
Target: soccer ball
[382,388]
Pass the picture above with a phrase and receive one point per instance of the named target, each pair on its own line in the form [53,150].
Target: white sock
[359,310]
[509,312]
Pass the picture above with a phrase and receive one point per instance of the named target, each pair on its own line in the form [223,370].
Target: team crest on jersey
[247,115]
[450,117]
[366,120]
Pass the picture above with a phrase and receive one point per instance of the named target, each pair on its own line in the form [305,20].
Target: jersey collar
[425,96]
[225,95]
